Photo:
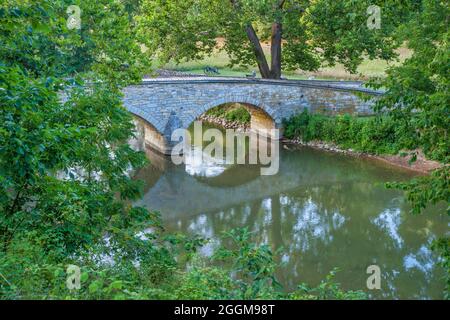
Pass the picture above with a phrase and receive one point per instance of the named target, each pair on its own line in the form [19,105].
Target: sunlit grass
[368,69]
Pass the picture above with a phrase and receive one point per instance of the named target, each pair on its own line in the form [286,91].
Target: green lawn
[220,60]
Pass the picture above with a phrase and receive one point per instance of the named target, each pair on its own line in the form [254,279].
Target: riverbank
[421,165]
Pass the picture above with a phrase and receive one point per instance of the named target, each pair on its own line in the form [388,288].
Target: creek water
[324,210]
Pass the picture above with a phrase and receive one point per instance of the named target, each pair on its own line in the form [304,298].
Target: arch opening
[240,114]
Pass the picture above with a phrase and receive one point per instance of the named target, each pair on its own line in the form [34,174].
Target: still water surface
[325,210]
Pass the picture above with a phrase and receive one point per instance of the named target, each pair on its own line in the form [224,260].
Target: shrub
[153,268]
[231,112]
[377,134]
[239,114]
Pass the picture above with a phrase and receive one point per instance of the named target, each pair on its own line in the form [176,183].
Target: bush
[377,134]
[231,112]
[154,268]
[239,114]
[217,112]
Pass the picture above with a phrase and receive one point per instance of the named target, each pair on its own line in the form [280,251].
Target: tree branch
[259,52]
[275,49]
[16,200]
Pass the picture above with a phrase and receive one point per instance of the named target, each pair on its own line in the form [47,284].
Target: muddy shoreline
[421,165]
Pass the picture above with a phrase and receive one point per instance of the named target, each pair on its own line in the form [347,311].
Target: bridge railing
[320,84]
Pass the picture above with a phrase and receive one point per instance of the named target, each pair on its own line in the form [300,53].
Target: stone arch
[146,116]
[263,116]
[150,135]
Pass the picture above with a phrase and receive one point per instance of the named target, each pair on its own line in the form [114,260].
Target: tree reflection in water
[325,210]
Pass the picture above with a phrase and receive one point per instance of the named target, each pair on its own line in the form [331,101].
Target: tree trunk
[275,72]
[259,53]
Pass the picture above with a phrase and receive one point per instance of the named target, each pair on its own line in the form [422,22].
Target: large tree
[303,34]
[82,138]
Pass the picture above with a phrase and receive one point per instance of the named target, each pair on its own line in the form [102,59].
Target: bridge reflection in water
[326,210]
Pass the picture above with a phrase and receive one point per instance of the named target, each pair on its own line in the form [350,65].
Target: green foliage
[327,289]
[35,36]
[418,94]
[126,270]
[219,111]
[442,247]
[417,91]
[424,191]
[146,268]
[340,29]
[247,271]
[231,113]
[313,32]
[377,135]
[253,265]
[239,114]
[421,93]
[415,108]
[64,161]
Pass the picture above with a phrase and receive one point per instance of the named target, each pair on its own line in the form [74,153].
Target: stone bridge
[162,105]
